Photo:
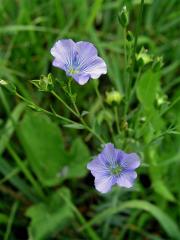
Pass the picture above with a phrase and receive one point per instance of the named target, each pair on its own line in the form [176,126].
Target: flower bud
[130,36]
[113,97]
[8,85]
[45,83]
[123,17]
[161,99]
[143,57]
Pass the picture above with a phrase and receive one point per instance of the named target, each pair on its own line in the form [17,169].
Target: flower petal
[81,78]
[64,52]
[95,67]
[103,183]
[109,154]
[86,51]
[80,57]
[59,64]
[97,166]
[89,62]
[126,178]
[130,161]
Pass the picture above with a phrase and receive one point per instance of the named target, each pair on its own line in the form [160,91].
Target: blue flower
[113,166]
[79,60]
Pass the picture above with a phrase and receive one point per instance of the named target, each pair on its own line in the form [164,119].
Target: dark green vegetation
[45,189]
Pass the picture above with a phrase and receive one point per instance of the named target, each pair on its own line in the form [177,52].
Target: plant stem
[125,50]
[117,119]
[10,221]
[77,113]
[54,114]
[21,165]
[99,96]
[136,37]
[92,234]
[126,77]
[131,75]
[81,118]
[64,103]
[137,30]
[103,107]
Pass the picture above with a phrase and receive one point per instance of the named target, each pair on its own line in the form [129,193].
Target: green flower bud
[45,83]
[130,36]
[113,97]
[161,99]
[143,57]
[124,125]
[123,17]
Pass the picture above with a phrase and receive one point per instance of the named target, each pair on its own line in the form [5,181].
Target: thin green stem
[137,31]
[126,77]
[86,125]
[130,79]
[81,118]
[10,221]
[8,176]
[95,134]
[54,114]
[99,96]
[21,165]
[135,84]
[125,49]
[103,107]
[92,234]
[64,103]
[117,119]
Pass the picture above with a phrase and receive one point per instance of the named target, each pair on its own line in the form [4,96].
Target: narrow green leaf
[10,126]
[16,181]
[160,187]
[74,125]
[166,222]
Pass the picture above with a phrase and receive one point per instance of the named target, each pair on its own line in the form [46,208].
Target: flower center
[73,68]
[115,170]
[73,71]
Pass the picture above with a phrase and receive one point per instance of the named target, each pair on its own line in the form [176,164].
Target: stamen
[115,170]
[73,71]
